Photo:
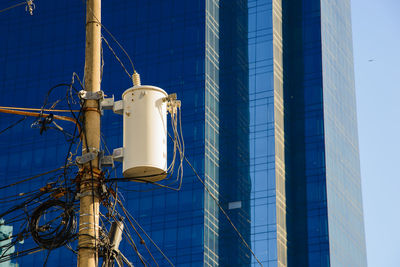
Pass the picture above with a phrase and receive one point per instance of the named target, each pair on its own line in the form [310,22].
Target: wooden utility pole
[90,173]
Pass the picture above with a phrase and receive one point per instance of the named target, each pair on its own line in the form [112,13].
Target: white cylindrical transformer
[145,133]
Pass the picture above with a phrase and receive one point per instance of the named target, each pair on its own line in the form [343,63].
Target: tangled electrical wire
[45,219]
[29,213]
[53,224]
[73,105]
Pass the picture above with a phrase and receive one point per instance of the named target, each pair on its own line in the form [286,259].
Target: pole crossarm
[39,109]
[43,115]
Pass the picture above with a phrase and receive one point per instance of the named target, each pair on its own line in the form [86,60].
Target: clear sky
[376,40]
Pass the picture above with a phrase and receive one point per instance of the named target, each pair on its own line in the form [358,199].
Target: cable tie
[87,214]
[90,228]
[87,193]
[89,223]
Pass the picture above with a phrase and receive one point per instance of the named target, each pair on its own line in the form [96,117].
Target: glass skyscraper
[268,118]
[306,205]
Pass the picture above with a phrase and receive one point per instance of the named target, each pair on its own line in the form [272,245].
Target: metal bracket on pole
[87,95]
[108,161]
[109,103]
[118,107]
[118,154]
[85,158]
[105,161]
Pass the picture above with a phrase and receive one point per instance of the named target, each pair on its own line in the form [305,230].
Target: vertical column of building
[343,185]
[262,132]
[296,217]
[314,136]
[211,160]
[307,206]
[234,181]
[279,113]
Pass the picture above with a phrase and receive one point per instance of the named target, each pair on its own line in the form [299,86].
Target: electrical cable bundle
[43,231]
[52,223]
[178,142]
[18,216]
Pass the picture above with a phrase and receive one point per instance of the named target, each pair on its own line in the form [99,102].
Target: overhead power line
[12,125]
[223,211]
[129,216]
[115,55]
[114,39]
[32,177]
[11,7]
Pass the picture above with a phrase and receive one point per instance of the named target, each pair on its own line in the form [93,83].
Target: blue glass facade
[262,133]
[268,113]
[306,204]
[234,181]
[346,227]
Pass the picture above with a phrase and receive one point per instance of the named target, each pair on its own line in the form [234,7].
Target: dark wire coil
[48,238]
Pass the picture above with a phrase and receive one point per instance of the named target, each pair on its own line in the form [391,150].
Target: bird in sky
[371,60]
